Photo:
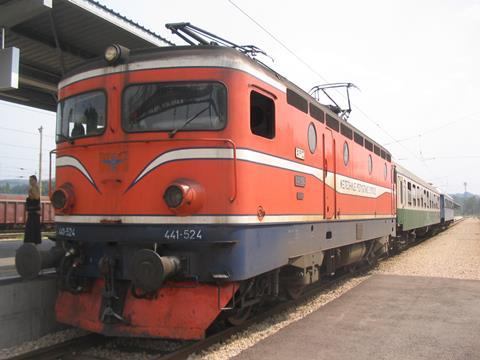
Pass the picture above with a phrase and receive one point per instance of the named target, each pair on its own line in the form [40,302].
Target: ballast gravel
[45,341]
[454,253]
[134,349]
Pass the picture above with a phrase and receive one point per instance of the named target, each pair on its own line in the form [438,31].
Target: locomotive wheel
[239,315]
[292,282]
[294,290]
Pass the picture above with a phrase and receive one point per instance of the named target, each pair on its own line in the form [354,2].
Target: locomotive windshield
[174,107]
[81,115]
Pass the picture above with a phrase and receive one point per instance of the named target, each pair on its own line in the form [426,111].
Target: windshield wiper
[66,138]
[172,133]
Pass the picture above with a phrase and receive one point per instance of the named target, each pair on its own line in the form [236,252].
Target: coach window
[370,164]
[312,138]
[409,193]
[385,171]
[401,192]
[346,154]
[262,115]
[414,197]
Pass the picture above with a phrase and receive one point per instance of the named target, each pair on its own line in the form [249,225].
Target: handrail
[50,172]
[231,142]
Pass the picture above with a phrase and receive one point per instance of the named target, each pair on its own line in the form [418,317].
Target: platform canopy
[54,36]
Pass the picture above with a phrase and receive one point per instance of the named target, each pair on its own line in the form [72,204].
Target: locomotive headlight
[184,196]
[115,53]
[59,199]
[63,198]
[173,196]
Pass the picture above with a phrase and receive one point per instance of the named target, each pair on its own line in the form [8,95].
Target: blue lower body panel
[238,251]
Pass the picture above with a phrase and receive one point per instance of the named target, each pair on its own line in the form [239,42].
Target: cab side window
[262,115]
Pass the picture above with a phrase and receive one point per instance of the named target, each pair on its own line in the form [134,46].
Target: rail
[69,347]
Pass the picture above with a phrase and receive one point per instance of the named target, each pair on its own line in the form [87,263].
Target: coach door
[329,180]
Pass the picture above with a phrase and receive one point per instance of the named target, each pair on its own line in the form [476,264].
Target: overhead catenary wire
[24,132]
[33,158]
[323,78]
[432,130]
[22,146]
[448,157]
[311,68]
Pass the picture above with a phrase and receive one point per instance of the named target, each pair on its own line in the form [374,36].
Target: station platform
[26,307]
[385,317]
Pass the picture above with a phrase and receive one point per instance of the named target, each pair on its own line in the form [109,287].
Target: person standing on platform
[32,227]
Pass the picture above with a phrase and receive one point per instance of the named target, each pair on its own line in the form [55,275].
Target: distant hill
[470,203]
[461,195]
[13,182]
[19,186]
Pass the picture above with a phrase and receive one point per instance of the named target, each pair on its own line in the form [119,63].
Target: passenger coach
[418,204]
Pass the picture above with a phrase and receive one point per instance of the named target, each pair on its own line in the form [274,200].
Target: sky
[416,64]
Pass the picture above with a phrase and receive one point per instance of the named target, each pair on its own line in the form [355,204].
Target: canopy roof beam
[15,12]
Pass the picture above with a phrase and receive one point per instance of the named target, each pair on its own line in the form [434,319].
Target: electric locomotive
[195,182]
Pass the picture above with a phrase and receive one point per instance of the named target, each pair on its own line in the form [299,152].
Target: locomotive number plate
[187,234]
[66,231]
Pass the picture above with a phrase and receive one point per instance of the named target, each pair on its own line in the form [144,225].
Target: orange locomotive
[194,182]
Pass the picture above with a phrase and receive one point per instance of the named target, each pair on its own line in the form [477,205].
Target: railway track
[67,350]
[18,235]
[11,235]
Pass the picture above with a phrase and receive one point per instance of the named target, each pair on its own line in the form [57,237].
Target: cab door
[329,175]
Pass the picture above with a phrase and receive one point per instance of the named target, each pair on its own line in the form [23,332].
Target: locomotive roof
[201,56]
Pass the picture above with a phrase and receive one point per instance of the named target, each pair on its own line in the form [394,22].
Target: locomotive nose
[150,270]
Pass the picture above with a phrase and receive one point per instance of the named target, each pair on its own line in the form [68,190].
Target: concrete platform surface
[385,317]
